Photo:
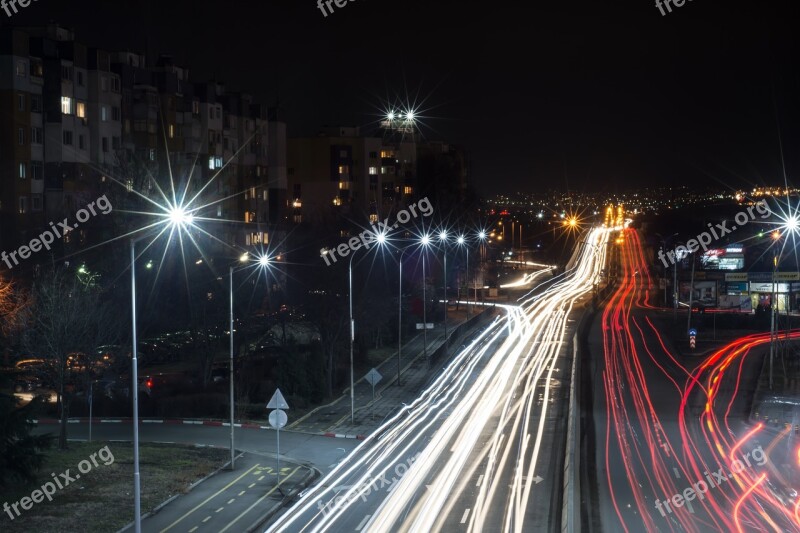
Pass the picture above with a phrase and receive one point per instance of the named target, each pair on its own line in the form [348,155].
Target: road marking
[258,502]
[242,492]
[231,501]
[218,510]
[362,523]
[480,480]
[262,477]
[251,485]
[206,519]
[677,474]
[220,491]
[464,516]
[195,528]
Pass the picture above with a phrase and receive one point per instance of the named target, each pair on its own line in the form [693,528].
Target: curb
[344,436]
[211,423]
[257,525]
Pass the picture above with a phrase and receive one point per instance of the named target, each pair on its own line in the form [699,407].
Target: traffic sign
[278,419]
[692,332]
[373,377]
[277,401]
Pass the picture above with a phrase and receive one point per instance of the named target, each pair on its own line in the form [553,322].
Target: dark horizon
[596,97]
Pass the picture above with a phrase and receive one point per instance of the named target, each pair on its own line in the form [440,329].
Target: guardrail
[458,331]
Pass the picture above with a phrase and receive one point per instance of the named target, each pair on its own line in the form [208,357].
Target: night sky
[596,96]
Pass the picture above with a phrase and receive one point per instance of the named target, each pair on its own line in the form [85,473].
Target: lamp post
[400,315]
[381,239]
[179,219]
[425,241]
[461,241]
[443,240]
[244,258]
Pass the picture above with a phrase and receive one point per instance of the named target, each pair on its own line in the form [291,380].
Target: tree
[20,452]
[12,302]
[66,317]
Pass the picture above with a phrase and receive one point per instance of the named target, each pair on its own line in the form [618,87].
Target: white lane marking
[677,474]
[480,480]
[363,522]
[464,516]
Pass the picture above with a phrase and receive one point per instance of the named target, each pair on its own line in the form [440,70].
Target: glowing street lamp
[178,219]
[443,240]
[381,238]
[263,261]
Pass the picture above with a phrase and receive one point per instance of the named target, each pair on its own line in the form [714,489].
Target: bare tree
[66,318]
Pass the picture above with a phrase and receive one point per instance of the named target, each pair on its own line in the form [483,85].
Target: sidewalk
[247,497]
[334,419]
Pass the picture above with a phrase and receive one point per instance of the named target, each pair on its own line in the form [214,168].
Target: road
[674,449]
[482,448]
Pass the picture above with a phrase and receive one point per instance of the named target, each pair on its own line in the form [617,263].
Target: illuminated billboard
[729,258]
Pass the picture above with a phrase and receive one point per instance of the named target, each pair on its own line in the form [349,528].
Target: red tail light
[149,383]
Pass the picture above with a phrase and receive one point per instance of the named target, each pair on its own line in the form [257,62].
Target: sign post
[373,377]
[278,419]
[692,337]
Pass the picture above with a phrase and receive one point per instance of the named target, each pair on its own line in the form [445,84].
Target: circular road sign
[278,418]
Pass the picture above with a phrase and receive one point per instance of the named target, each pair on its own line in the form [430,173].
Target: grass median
[101,500]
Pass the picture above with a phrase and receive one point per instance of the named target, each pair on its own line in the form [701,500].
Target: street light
[179,219]
[425,241]
[244,258]
[443,240]
[400,309]
[461,241]
[381,239]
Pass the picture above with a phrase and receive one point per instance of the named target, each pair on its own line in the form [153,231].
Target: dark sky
[601,95]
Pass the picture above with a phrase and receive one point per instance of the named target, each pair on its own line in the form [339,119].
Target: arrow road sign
[277,401]
[373,377]
[692,332]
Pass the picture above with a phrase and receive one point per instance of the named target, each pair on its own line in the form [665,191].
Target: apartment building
[78,122]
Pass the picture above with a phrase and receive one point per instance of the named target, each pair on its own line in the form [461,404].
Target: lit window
[344,185]
[66,105]
[387,154]
[211,163]
[218,162]
[344,169]
[104,113]
[373,219]
[152,154]
[373,171]
[80,110]
[408,190]
[383,170]
[171,131]
[337,201]
[23,170]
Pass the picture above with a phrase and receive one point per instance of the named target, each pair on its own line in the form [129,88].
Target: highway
[481,449]
[675,450]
